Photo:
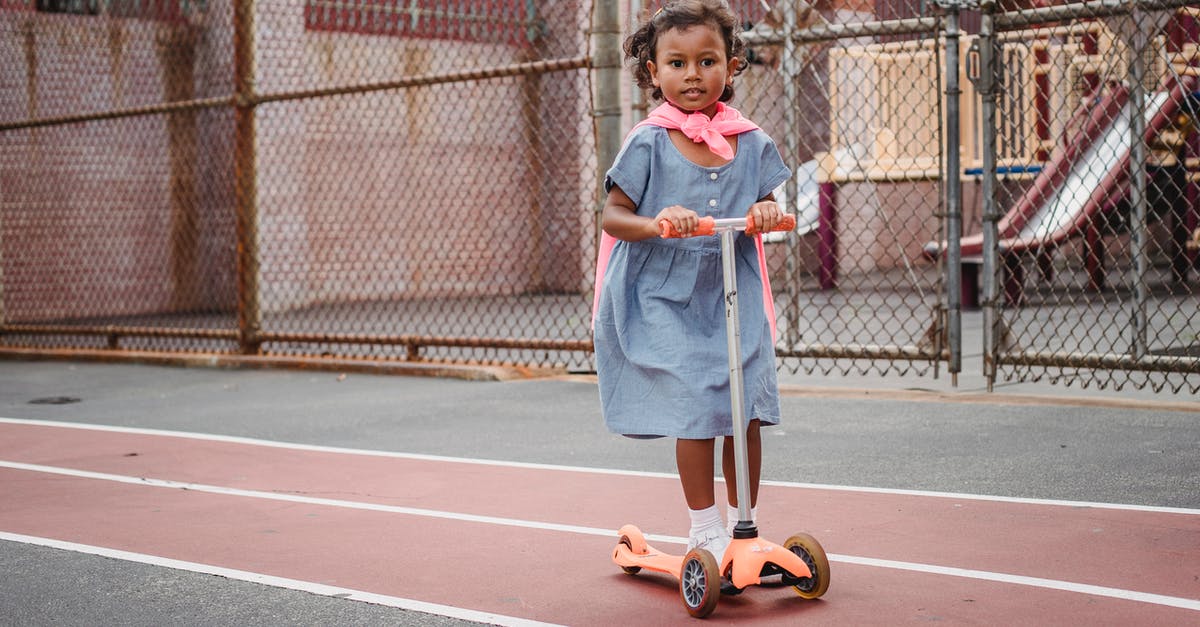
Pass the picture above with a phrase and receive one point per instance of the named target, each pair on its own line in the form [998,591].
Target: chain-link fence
[1088,276]
[387,179]
[854,96]
[1028,242]
[417,180]
[1086,272]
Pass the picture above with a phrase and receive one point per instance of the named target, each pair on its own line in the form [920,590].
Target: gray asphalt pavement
[1022,441]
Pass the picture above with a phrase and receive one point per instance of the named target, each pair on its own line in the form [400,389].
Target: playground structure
[1077,192]
[1066,156]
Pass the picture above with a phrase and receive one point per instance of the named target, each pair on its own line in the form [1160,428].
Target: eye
[676,64]
[708,63]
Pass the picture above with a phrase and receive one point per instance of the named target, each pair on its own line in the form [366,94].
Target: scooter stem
[733,335]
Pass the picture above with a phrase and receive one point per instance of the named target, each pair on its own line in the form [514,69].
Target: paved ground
[1023,442]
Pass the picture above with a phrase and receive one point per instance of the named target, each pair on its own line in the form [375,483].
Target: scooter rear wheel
[632,537]
[808,549]
[629,570]
[700,583]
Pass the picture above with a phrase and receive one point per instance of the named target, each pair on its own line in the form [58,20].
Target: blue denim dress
[659,333]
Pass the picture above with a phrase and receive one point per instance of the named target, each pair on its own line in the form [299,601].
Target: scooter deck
[652,559]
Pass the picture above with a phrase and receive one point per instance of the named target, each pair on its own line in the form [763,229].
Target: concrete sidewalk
[969,387]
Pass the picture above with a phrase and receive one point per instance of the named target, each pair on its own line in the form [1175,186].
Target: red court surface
[509,543]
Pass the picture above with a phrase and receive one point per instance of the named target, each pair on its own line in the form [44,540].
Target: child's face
[691,69]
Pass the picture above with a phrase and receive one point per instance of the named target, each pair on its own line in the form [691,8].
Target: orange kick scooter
[800,560]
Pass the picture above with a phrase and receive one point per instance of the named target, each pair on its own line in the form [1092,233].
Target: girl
[659,323]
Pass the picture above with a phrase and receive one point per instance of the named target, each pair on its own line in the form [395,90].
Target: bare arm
[620,218]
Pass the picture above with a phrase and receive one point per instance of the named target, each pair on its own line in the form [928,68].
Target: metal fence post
[791,147]
[1137,177]
[985,86]
[2,316]
[606,90]
[638,105]
[245,175]
[953,192]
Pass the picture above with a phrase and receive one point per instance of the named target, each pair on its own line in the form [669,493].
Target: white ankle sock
[704,518]
[731,516]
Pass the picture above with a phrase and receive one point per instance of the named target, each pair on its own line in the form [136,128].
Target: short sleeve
[774,172]
[631,169]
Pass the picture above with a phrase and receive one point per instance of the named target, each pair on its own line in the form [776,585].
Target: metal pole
[791,147]
[953,195]
[1137,175]
[532,114]
[246,175]
[176,50]
[985,86]
[606,98]
[2,314]
[733,338]
[605,61]
[637,99]
[1024,18]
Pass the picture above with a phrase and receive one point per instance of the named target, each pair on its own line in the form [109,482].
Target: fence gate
[1089,170]
[1027,241]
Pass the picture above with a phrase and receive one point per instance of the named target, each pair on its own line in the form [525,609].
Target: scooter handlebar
[709,226]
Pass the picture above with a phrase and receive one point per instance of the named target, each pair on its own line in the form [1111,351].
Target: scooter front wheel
[700,583]
[808,549]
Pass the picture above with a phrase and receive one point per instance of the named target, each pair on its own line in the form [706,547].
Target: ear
[734,63]
[653,68]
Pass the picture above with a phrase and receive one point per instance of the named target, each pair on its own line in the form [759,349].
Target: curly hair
[642,45]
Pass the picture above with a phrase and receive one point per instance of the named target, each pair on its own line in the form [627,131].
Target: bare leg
[694,458]
[753,458]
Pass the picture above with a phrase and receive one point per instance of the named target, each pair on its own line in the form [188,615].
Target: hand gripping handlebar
[711,226]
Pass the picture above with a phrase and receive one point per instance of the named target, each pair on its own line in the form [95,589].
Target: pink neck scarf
[698,128]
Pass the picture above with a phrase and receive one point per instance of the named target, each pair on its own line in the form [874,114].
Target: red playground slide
[1082,179]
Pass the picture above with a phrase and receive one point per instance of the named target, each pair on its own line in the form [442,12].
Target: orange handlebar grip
[787,223]
[707,226]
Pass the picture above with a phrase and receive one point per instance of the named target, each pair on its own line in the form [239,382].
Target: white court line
[583,469]
[1021,580]
[1036,582]
[280,582]
[307,500]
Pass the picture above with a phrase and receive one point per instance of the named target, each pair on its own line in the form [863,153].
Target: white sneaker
[713,539]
